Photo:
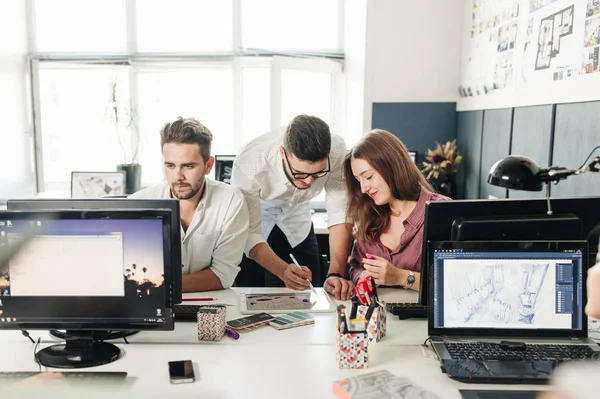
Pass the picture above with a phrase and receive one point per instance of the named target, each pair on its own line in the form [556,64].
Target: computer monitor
[97,184]
[508,219]
[224,167]
[85,271]
[117,203]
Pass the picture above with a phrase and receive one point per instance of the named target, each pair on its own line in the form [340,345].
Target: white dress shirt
[271,198]
[218,232]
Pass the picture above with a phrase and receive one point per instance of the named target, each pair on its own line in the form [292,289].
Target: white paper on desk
[381,384]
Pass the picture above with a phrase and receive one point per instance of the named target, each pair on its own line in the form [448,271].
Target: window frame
[239,58]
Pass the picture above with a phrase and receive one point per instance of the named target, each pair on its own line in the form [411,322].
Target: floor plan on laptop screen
[505,293]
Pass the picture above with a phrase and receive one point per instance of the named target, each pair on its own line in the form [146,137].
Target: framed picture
[224,167]
[97,184]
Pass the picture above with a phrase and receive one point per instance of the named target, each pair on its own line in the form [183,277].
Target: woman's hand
[382,271]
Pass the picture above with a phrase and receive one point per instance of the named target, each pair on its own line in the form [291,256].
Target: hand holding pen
[296,278]
[305,270]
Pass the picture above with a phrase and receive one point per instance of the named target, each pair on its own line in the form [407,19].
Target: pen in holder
[211,322]
[352,350]
[377,323]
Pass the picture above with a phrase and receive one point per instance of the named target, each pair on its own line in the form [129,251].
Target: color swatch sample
[290,320]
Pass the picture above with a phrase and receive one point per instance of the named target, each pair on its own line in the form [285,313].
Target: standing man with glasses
[279,173]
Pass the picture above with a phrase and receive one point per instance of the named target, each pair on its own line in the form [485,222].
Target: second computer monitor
[224,167]
[508,220]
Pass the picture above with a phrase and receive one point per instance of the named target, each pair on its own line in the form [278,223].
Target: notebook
[379,384]
[491,303]
[290,320]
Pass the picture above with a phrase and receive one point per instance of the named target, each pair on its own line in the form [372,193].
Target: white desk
[264,363]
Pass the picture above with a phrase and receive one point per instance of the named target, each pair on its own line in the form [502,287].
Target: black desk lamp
[519,172]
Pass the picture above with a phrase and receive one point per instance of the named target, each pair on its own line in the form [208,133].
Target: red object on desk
[364,291]
[198,299]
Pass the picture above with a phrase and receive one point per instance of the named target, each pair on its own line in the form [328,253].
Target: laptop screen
[499,286]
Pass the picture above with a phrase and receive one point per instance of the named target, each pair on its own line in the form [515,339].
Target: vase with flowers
[443,160]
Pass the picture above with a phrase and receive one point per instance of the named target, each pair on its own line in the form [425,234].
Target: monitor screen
[87,272]
[504,287]
[224,167]
[97,184]
[118,203]
[508,219]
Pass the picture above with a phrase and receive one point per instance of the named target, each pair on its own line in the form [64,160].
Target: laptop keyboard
[493,351]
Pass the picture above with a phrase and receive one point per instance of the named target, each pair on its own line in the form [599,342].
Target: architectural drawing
[498,293]
[552,29]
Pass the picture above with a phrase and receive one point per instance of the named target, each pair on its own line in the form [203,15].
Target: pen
[198,299]
[375,296]
[298,264]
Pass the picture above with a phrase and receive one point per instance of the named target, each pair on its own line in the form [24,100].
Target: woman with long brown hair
[386,204]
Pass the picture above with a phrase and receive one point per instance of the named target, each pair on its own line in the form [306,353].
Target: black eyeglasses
[303,175]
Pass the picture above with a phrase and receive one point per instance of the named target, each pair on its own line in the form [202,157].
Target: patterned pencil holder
[377,326]
[211,323]
[352,350]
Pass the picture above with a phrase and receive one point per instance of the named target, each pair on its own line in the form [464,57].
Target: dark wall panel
[495,145]
[418,125]
[468,141]
[532,136]
[576,133]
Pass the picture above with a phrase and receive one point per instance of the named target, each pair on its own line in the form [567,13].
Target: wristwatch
[410,281]
[333,275]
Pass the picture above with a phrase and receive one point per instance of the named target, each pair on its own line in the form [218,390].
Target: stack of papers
[291,320]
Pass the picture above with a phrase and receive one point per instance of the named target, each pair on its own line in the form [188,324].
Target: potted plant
[443,160]
[124,120]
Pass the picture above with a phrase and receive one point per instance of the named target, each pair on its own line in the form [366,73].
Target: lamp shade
[516,172]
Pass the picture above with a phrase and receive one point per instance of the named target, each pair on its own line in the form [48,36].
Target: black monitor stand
[81,349]
[101,335]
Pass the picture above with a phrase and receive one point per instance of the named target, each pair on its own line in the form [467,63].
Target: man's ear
[209,165]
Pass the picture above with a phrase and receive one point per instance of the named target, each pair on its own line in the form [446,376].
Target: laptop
[508,311]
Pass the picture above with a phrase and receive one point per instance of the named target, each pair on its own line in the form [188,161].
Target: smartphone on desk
[181,371]
[250,321]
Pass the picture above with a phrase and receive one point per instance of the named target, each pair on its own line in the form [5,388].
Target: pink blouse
[407,254]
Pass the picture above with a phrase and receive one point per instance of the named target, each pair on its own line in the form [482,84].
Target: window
[76,125]
[297,87]
[80,26]
[256,98]
[217,61]
[183,25]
